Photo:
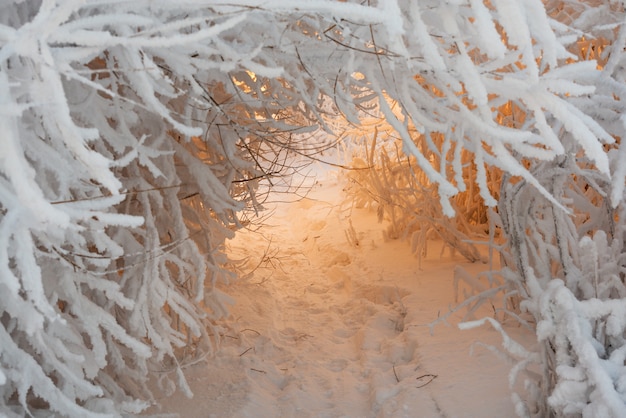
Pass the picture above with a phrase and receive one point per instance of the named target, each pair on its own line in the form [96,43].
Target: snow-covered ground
[324,327]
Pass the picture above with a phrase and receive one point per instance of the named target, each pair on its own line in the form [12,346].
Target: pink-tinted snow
[328,328]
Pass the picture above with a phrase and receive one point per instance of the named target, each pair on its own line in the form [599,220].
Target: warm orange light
[591,49]
[244,86]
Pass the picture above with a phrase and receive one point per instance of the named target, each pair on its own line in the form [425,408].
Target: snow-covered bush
[108,259]
[540,100]
[130,138]
[566,258]
[385,179]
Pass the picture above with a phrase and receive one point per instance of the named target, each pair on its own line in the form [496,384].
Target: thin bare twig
[428,377]
[246,351]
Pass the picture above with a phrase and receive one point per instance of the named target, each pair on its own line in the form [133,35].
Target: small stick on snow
[431,376]
[245,351]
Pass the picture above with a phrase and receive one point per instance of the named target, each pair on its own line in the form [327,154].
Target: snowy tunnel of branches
[135,137]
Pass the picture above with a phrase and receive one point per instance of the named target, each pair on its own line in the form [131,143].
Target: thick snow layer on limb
[588,383]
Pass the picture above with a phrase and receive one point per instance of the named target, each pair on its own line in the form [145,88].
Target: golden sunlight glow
[591,49]
[251,74]
[245,86]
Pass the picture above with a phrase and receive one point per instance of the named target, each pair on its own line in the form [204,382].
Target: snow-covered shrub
[536,91]
[128,147]
[101,264]
[387,180]
[569,273]
[564,257]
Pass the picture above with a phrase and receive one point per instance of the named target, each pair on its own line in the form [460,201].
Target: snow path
[326,328]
